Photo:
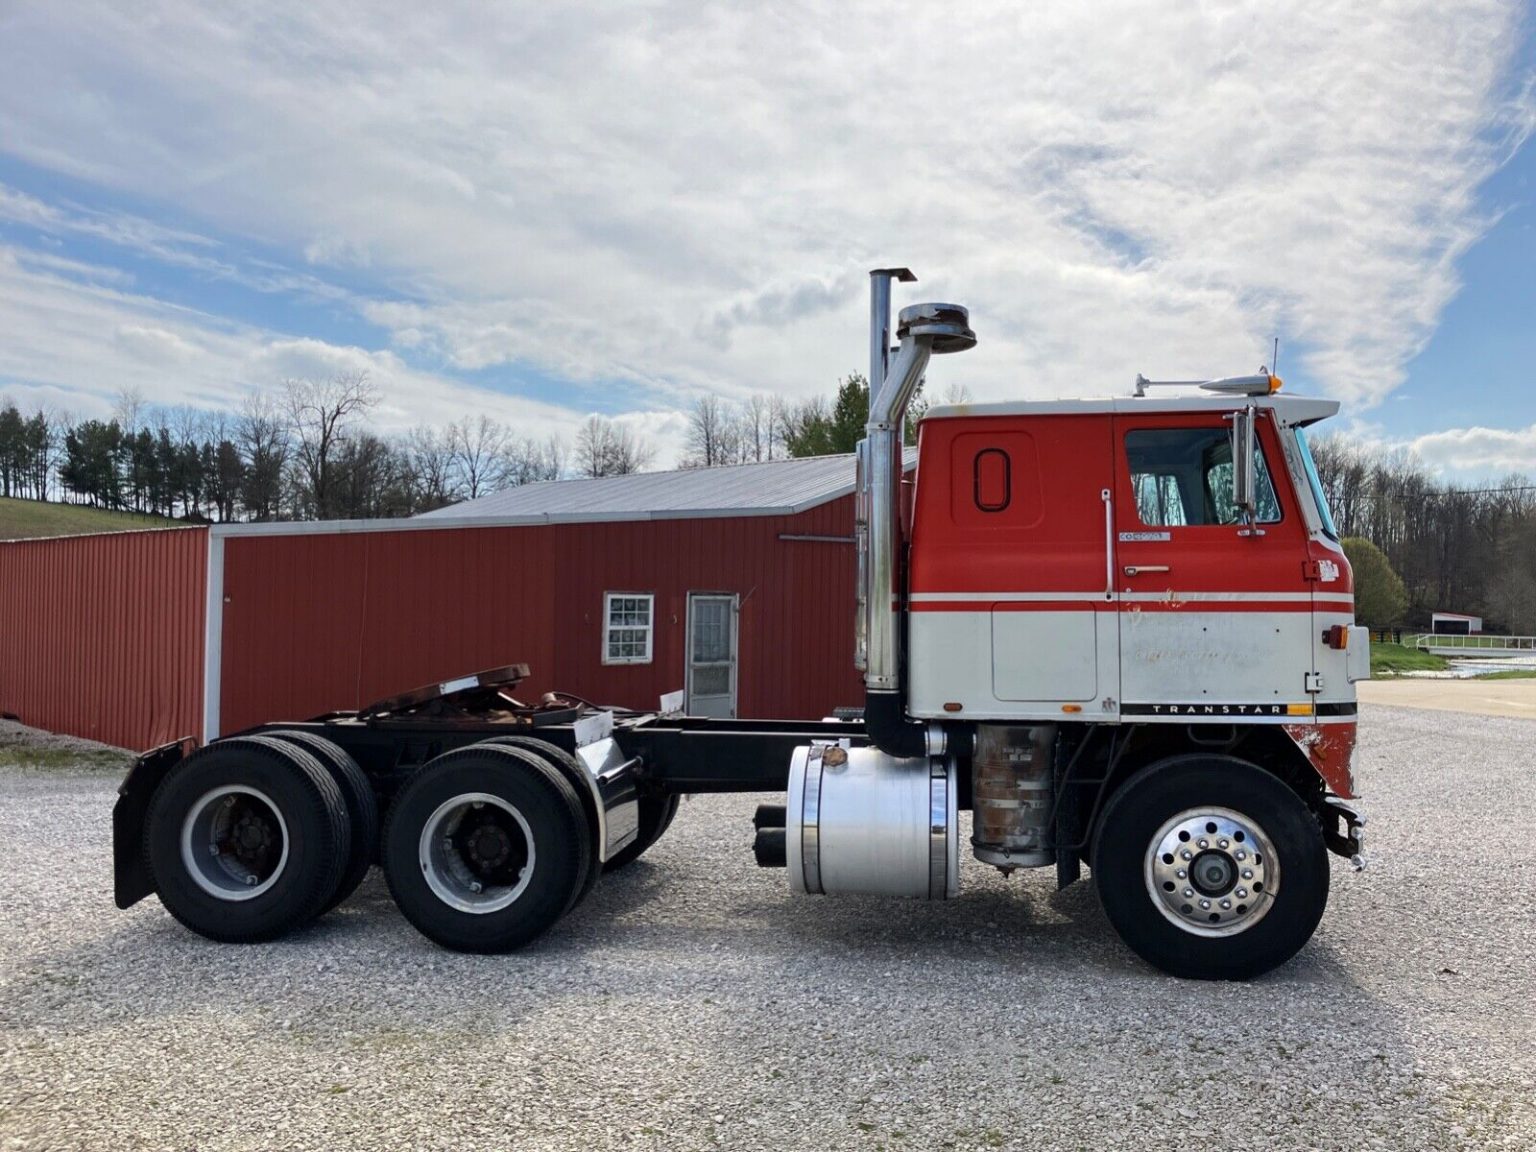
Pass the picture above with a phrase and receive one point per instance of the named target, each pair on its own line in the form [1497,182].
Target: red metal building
[102,636]
[733,584]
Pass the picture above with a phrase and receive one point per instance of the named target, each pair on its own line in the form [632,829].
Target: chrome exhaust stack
[924,330]
[879,356]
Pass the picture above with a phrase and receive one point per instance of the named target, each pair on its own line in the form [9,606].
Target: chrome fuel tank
[860,821]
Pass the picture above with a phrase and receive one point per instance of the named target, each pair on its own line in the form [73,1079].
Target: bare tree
[759,435]
[128,408]
[712,434]
[320,413]
[607,448]
[478,445]
[186,423]
[371,478]
[261,435]
[429,458]
[527,461]
[628,451]
[555,454]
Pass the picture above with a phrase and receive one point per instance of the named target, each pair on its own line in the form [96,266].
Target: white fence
[1476,645]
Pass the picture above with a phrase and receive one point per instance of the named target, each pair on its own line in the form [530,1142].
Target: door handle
[1109,544]
[1138,569]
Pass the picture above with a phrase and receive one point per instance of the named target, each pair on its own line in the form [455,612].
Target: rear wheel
[362,807]
[1211,868]
[656,816]
[573,770]
[485,848]
[246,839]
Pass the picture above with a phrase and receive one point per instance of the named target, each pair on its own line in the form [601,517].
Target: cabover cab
[1087,561]
[1120,632]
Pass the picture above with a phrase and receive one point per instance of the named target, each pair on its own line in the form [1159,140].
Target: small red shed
[732,584]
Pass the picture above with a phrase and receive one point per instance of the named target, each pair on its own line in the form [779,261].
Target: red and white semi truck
[1119,632]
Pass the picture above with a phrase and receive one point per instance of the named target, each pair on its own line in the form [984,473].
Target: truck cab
[1120,632]
[1086,561]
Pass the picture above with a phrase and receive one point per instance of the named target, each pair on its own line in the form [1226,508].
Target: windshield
[1316,485]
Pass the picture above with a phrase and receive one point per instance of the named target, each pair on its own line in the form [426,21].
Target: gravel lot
[692,1003]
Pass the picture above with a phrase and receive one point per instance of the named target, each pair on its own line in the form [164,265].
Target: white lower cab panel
[1052,656]
[1234,657]
[1011,664]
[1040,665]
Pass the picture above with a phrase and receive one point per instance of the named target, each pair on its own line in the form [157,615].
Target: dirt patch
[1480,697]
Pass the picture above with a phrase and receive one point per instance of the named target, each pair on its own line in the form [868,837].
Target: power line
[1450,492]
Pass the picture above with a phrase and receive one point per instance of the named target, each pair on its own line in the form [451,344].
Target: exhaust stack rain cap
[948,324]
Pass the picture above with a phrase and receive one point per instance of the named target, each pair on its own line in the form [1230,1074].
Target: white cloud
[101,341]
[1478,452]
[155,345]
[125,230]
[685,199]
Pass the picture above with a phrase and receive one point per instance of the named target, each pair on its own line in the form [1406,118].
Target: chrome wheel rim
[234,842]
[1212,871]
[477,853]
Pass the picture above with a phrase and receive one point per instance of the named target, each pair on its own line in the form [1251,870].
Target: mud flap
[131,880]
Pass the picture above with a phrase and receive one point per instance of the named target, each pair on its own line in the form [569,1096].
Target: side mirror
[1244,489]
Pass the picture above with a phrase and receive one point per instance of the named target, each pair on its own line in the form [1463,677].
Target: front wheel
[1210,868]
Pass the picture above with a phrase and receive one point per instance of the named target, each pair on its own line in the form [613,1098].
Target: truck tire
[1210,868]
[362,807]
[572,768]
[246,839]
[485,848]
[656,816]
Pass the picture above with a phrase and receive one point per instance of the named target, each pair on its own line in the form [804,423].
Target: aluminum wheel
[234,842]
[1212,871]
[476,853]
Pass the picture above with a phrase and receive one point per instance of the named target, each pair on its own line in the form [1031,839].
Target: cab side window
[995,481]
[1183,477]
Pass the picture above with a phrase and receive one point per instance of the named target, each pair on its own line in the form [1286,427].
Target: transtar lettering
[1209,709]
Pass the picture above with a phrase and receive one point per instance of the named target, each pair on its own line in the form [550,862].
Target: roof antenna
[1274,361]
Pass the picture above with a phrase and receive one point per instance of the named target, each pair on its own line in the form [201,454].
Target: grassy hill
[31,519]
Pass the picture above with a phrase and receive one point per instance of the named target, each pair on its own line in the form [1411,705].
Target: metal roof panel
[782,487]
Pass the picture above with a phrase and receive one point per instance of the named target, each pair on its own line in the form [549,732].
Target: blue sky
[542,212]
[1479,366]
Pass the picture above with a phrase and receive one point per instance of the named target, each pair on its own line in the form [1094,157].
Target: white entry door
[711,654]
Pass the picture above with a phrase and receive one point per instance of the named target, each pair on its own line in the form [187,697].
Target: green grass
[34,519]
[23,756]
[1395,659]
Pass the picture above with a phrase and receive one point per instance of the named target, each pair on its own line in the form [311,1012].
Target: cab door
[1011,608]
[1215,614]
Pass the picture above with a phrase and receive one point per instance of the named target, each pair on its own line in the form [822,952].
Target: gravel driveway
[693,1003]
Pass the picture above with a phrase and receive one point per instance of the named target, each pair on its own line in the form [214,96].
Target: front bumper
[1344,830]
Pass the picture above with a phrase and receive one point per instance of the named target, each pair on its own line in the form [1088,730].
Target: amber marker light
[1071,707]
[1275,384]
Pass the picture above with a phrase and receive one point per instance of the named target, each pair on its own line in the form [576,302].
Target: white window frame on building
[628,630]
